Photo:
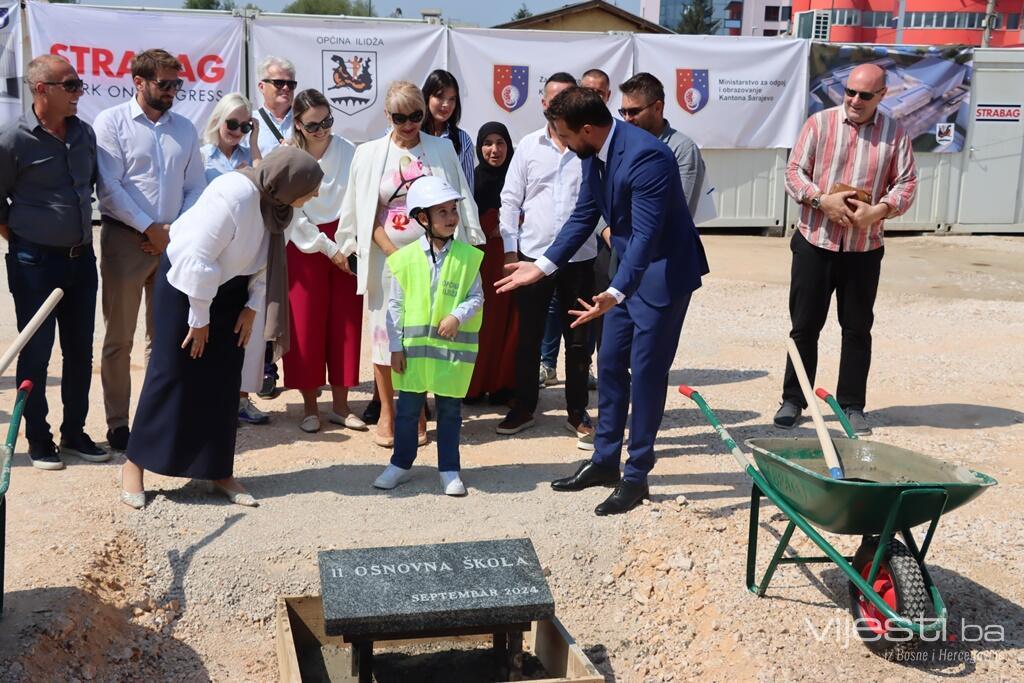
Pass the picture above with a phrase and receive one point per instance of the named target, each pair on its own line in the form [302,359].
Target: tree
[697,19]
[522,13]
[358,8]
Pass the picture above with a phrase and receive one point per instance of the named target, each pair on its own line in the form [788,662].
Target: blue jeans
[32,273]
[449,426]
[552,334]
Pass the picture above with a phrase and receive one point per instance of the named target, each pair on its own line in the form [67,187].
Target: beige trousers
[127,272]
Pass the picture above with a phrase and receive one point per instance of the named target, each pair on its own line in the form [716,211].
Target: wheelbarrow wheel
[900,584]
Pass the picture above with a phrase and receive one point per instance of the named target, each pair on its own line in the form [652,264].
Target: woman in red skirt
[494,375]
[326,313]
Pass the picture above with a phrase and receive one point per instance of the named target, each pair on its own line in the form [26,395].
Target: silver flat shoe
[236,497]
[134,500]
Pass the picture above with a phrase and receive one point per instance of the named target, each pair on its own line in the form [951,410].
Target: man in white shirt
[540,192]
[150,172]
[277,86]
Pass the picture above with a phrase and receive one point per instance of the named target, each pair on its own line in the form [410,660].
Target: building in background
[588,16]
[669,13]
[764,17]
[924,22]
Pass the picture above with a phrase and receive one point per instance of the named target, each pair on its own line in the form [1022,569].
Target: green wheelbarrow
[6,455]
[888,490]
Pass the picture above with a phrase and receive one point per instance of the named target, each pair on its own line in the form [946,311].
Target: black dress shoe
[589,474]
[118,438]
[626,496]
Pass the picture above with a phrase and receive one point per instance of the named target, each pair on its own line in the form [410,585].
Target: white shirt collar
[425,244]
[136,111]
[603,154]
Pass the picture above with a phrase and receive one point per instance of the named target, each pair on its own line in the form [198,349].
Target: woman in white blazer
[374,222]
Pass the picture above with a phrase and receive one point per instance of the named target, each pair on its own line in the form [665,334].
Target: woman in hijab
[494,375]
[226,260]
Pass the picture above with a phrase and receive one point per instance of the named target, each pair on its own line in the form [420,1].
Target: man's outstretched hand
[603,302]
[520,273]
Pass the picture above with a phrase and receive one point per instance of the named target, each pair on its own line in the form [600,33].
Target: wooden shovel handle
[828,449]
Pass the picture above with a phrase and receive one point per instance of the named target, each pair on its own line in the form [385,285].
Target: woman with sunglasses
[225,150]
[326,312]
[444,110]
[374,222]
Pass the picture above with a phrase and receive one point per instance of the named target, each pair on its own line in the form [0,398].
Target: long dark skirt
[187,415]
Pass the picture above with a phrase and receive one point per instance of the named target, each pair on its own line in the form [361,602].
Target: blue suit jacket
[661,257]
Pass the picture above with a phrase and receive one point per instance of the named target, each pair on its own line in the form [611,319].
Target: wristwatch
[816,202]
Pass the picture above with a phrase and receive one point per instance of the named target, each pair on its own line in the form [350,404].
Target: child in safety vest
[434,315]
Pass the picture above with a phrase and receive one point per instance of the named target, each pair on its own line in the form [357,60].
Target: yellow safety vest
[432,363]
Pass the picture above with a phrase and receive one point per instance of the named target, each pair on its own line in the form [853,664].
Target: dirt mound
[105,629]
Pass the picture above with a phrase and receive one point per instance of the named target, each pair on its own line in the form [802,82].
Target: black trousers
[573,281]
[853,276]
[32,273]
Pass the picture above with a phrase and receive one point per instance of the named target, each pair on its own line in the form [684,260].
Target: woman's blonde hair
[404,96]
[227,104]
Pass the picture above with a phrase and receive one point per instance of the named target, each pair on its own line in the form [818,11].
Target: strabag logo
[997,112]
[350,80]
[692,89]
[510,86]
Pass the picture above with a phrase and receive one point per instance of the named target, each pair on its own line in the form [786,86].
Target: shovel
[828,449]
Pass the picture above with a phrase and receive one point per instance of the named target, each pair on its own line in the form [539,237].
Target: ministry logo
[692,89]
[510,86]
[350,80]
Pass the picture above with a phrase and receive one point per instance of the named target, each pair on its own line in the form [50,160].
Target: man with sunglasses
[643,105]
[150,172]
[852,168]
[47,176]
[277,86]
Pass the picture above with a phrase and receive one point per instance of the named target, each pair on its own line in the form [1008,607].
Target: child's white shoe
[452,484]
[391,477]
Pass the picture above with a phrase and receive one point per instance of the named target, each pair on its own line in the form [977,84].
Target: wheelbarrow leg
[755,509]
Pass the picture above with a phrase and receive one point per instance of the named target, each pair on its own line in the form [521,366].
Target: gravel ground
[185,590]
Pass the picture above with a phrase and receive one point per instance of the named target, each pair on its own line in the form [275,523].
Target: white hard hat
[427,191]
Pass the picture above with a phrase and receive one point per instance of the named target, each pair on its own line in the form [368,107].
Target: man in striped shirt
[838,246]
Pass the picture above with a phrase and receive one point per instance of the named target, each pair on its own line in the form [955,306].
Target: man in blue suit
[632,180]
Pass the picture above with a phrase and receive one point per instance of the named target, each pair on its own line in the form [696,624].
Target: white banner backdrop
[351,62]
[100,44]
[10,63]
[501,73]
[727,92]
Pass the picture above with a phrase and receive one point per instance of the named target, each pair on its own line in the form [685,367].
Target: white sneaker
[547,376]
[391,477]
[452,484]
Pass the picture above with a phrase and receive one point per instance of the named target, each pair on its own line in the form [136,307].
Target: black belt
[69,252]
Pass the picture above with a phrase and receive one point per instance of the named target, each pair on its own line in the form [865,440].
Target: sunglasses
[864,96]
[319,125]
[399,119]
[630,112]
[281,83]
[70,85]
[168,84]
[232,124]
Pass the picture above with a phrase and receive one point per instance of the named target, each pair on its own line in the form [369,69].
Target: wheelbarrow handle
[828,398]
[743,459]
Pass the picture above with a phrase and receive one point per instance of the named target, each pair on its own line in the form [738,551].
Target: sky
[482,13]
